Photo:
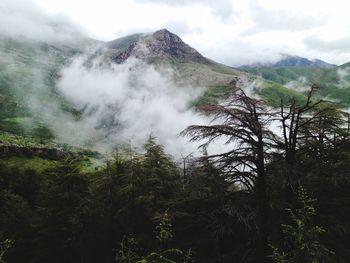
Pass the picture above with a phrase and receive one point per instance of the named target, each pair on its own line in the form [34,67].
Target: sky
[233,32]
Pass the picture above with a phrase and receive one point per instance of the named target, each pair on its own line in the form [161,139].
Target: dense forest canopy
[273,197]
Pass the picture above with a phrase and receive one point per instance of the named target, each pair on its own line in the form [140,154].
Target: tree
[130,253]
[302,235]
[306,125]
[243,122]
[60,228]
[160,175]
[5,245]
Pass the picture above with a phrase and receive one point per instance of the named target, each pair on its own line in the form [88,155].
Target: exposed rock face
[161,44]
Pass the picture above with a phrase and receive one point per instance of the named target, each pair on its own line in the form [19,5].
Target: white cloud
[230,31]
[281,19]
[128,102]
[220,8]
[339,45]
[21,18]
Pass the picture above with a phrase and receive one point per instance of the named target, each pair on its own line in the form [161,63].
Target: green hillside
[28,71]
[334,83]
[283,75]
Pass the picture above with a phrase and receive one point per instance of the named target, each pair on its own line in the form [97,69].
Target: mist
[300,85]
[127,103]
[343,75]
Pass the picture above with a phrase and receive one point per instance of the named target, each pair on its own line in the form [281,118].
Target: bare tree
[243,123]
[309,127]
[295,122]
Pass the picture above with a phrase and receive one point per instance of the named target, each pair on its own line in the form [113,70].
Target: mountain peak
[159,45]
[287,60]
[163,31]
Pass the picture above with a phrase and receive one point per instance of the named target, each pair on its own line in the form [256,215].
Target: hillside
[28,69]
[333,83]
[166,50]
[31,105]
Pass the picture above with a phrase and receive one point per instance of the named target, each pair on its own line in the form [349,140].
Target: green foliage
[302,235]
[160,173]
[26,126]
[128,252]
[274,93]
[213,95]
[164,229]
[57,212]
[5,245]
[23,163]
[283,75]
[332,86]
[7,138]
[28,69]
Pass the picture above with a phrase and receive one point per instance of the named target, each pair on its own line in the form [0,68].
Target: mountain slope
[284,75]
[160,44]
[27,69]
[333,83]
[31,104]
[166,50]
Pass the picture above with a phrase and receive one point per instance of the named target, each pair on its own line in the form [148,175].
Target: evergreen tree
[302,235]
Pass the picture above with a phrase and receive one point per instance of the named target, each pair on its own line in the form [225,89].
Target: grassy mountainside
[333,83]
[29,71]
[166,50]
[283,75]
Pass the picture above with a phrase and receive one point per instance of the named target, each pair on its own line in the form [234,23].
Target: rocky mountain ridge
[160,44]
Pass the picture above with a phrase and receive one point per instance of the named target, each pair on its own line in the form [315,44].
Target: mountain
[30,70]
[292,61]
[160,44]
[164,49]
[333,82]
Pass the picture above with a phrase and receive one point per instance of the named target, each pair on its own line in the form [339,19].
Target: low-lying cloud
[128,102]
[343,75]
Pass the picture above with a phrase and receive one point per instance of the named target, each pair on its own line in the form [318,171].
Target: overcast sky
[230,31]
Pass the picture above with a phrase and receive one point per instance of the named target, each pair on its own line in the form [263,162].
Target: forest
[279,194]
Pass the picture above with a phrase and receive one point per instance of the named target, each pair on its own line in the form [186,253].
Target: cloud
[237,52]
[23,18]
[181,27]
[281,19]
[220,8]
[343,75]
[339,45]
[209,25]
[128,102]
[301,85]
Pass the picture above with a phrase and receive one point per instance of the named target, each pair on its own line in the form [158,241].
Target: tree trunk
[261,191]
